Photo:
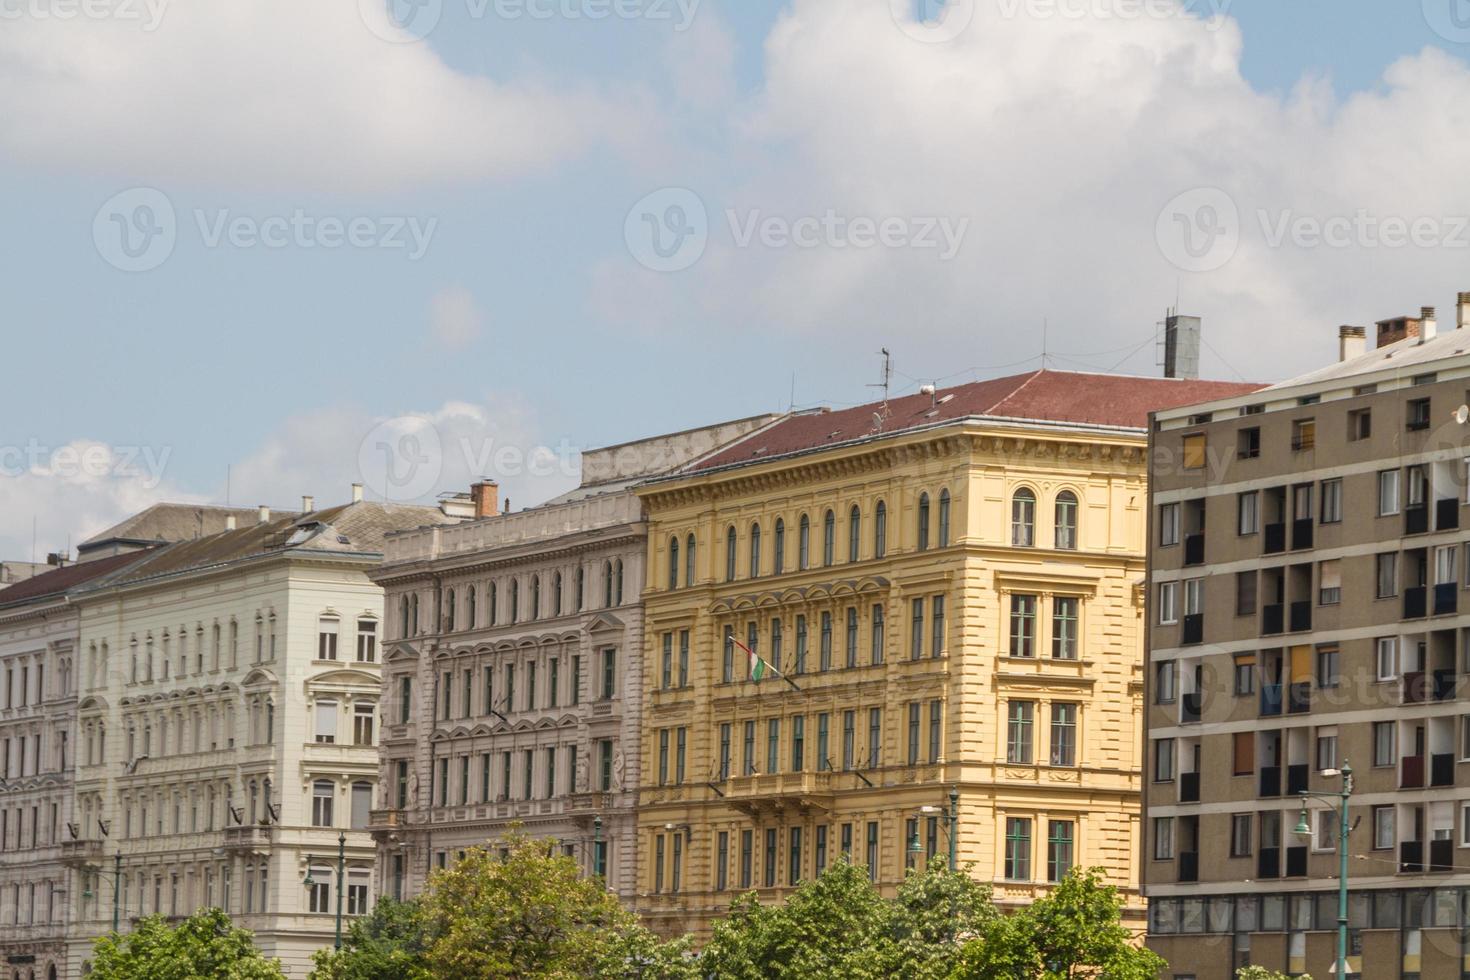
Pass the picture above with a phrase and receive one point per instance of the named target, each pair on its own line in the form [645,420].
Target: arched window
[829,534]
[755,550]
[1023,518]
[944,518]
[689,560]
[449,613]
[515,600]
[779,549]
[607,584]
[854,533]
[880,530]
[493,599]
[619,594]
[556,595]
[923,522]
[1067,521]
[674,562]
[535,596]
[804,543]
[469,604]
[730,554]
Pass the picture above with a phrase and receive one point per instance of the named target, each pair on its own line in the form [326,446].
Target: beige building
[1308,556]
[950,581]
[513,673]
[227,724]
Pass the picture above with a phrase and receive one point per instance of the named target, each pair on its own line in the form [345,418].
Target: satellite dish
[1462,414]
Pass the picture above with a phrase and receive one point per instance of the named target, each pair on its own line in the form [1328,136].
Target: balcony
[1411,857]
[1296,862]
[1270,700]
[1416,688]
[1416,519]
[1296,779]
[1268,862]
[1299,698]
[1441,855]
[1447,514]
[1274,539]
[1271,619]
[1442,769]
[761,793]
[1189,787]
[1189,865]
[1446,684]
[1191,707]
[250,838]
[1270,781]
[1301,616]
[81,853]
[1194,548]
[1414,602]
[1411,772]
[1301,533]
[387,819]
[1446,598]
[1194,629]
[589,802]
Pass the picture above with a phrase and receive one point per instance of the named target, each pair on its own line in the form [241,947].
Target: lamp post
[116,880]
[599,866]
[341,875]
[1303,829]
[954,826]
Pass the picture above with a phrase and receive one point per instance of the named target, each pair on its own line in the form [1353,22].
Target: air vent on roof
[931,413]
[948,397]
[761,451]
[833,433]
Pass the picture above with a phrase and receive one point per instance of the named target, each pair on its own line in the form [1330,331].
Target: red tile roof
[54,583]
[1051,396]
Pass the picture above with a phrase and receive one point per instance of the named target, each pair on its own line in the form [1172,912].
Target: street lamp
[952,820]
[116,879]
[599,853]
[309,882]
[1304,829]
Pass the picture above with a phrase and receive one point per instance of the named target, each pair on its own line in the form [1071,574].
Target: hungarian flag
[758,667]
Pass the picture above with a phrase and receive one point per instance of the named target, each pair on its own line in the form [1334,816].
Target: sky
[265,250]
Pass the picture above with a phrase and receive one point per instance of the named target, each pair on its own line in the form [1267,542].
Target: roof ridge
[1018,389]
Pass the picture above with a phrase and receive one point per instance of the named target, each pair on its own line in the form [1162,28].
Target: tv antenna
[882,414]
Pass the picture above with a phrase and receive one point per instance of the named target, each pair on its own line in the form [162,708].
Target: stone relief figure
[413,789]
[617,768]
[581,775]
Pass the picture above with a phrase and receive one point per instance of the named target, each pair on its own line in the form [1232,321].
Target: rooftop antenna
[1044,325]
[883,413]
[227,484]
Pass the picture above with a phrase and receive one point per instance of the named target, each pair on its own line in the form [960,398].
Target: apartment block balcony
[387,819]
[1446,685]
[1194,629]
[1301,534]
[1269,781]
[1442,769]
[1268,862]
[1411,857]
[762,793]
[1414,602]
[1272,619]
[1446,598]
[1270,700]
[589,802]
[1416,688]
[1416,519]
[1299,698]
[1296,779]
[1441,855]
[1194,548]
[81,853]
[1191,706]
[1189,787]
[1296,862]
[1274,539]
[1189,865]
[1411,772]
[1447,514]
[1301,616]
[249,838]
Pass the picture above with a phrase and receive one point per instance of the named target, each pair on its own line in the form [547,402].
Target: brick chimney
[486,497]
[1397,329]
[1351,342]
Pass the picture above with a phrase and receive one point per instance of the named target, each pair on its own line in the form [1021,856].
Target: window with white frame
[1326,748]
[1332,501]
[1383,828]
[326,720]
[322,794]
[1165,682]
[1388,657]
[367,640]
[319,896]
[1168,525]
[1388,492]
[1248,509]
[326,638]
[1445,568]
[1194,590]
[1168,603]
[1163,760]
[1330,582]
[1325,838]
[1163,838]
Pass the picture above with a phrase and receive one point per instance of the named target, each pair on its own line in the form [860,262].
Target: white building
[227,726]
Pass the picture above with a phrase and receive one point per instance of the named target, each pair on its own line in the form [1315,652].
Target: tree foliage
[1074,932]
[386,944]
[1261,973]
[204,945]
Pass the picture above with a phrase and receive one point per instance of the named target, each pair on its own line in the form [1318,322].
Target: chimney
[229,522]
[263,516]
[308,503]
[1397,329]
[1351,342]
[1428,325]
[1462,311]
[357,493]
[486,496]
[1181,346]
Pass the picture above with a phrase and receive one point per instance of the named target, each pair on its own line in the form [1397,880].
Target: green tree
[837,925]
[1074,932]
[386,944]
[204,945]
[1261,973]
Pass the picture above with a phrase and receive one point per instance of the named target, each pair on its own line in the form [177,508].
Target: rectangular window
[877,641]
[852,636]
[801,644]
[936,626]
[722,861]
[916,630]
[326,721]
[824,757]
[1386,574]
[1388,492]
[849,739]
[1383,739]
[825,647]
[872,850]
[1332,501]
[1163,838]
[1245,593]
[1019,720]
[773,745]
[683,659]
[1417,416]
[663,756]
[1240,835]
[367,641]
[1384,835]
[1248,512]
[1165,681]
[1360,424]
[609,673]
[666,675]
[747,845]
[681,745]
[1194,451]
[875,738]
[1018,849]
[776,638]
[1063,734]
[1387,657]
[1023,625]
[1329,582]
[1163,760]
[819,855]
[1168,603]
[1245,674]
[1168,525]
[1058,849]
[793,857]
[1327,666]
[936,716]
[798,743]
[1303,434]
[724,751]
[1064,628]
[749,756]
[770,858]
[1326,748]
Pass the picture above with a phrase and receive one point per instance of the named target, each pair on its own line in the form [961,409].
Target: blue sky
[526,308]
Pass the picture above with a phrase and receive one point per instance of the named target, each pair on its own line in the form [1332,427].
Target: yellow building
[948,585]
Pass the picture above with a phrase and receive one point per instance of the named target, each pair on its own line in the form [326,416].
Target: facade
[1308,560]
[38,644]
[227,729]
[513,673]
[949,583]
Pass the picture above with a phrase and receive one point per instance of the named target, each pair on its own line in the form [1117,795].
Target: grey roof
[168,522]
[1401,357]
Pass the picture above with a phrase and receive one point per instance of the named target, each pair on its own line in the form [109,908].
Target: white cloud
[272,93]
[1061,139]
[455,320]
